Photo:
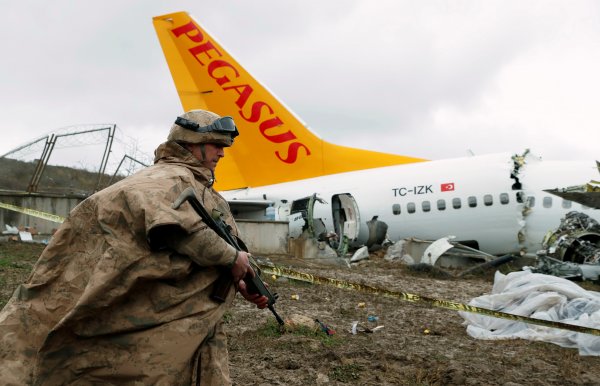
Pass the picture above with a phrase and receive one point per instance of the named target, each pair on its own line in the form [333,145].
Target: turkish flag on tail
[447,187]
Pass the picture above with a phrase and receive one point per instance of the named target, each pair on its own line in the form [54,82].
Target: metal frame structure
[119,167]
[49,147]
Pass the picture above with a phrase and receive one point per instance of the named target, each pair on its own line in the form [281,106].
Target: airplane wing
[590,199]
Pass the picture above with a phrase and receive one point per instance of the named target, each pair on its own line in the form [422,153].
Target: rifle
[254,285]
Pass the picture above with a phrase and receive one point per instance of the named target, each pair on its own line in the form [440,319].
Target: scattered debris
[360,254]
[25,236]
[572,251]
[428,331]
[10,230]
[442,252]
[490,264]
[325,328]
[439,249]
[357,327]
[436,249]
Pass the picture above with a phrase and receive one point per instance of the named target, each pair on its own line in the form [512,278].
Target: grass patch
[16,261]
[18,251]
[345,373]
[10,263]
[271,329]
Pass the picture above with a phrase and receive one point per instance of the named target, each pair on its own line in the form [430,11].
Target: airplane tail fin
[274,145]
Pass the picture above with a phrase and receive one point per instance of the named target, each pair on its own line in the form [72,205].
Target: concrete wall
[261,237]
[58,205]
[265,237]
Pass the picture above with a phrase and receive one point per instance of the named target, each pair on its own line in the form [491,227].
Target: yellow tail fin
[274,145]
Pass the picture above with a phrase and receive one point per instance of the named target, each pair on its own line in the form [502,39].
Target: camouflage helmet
[201,126]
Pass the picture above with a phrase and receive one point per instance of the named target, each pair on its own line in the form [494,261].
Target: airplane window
[504,198]
[531,201]
[547,202]
[411,207]
[472,200]
[519,197]
[396,209]
[426,206]
[566,204]
[441,204]
[456,203]
[488,200]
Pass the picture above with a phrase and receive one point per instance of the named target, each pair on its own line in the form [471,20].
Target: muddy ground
[417,345]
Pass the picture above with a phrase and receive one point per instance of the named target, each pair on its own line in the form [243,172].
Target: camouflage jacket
[106,299]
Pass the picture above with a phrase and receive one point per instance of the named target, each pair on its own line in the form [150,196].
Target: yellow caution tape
[314,279]
[33,212]
[306,277]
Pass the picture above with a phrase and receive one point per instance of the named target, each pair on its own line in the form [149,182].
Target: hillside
[16,175]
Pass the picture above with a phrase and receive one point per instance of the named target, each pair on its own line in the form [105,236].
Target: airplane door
[302,217]
[346,217]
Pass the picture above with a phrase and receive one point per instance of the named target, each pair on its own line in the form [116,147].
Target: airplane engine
[576,240]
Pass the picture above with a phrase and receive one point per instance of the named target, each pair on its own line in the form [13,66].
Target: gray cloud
[430,79]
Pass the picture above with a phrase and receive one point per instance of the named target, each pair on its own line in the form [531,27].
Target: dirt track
[417,345]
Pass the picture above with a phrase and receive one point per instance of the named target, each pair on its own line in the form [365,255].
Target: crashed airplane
[348,197]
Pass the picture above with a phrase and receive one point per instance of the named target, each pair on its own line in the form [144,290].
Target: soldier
[122,292]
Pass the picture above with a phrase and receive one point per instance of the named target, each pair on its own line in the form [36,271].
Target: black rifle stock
[254,284]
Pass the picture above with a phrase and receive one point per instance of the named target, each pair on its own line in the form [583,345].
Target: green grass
[345,373]
[272,330]
[10,263]
[16,261]
[19,255]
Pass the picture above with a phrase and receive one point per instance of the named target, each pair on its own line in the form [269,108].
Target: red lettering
[244,94]
[187,29]
[255,114]
[204,49]
[216,64]
[292,153]
[277,138]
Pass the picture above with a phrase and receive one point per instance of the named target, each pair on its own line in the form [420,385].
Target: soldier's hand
[260,301]
[241,267]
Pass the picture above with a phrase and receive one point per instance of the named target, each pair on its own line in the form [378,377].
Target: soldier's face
[212,154]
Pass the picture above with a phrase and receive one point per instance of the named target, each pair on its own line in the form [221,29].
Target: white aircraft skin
[513,227]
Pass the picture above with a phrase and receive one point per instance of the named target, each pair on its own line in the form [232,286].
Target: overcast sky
[432,79]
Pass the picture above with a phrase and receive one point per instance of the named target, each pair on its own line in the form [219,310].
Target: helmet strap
[203,152]
[212,179]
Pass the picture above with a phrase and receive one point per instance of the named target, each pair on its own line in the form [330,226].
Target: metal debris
[572,251]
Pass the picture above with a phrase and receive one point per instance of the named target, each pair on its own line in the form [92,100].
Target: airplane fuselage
[474,199]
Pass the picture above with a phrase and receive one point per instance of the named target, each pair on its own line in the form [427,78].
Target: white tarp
[538,296]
